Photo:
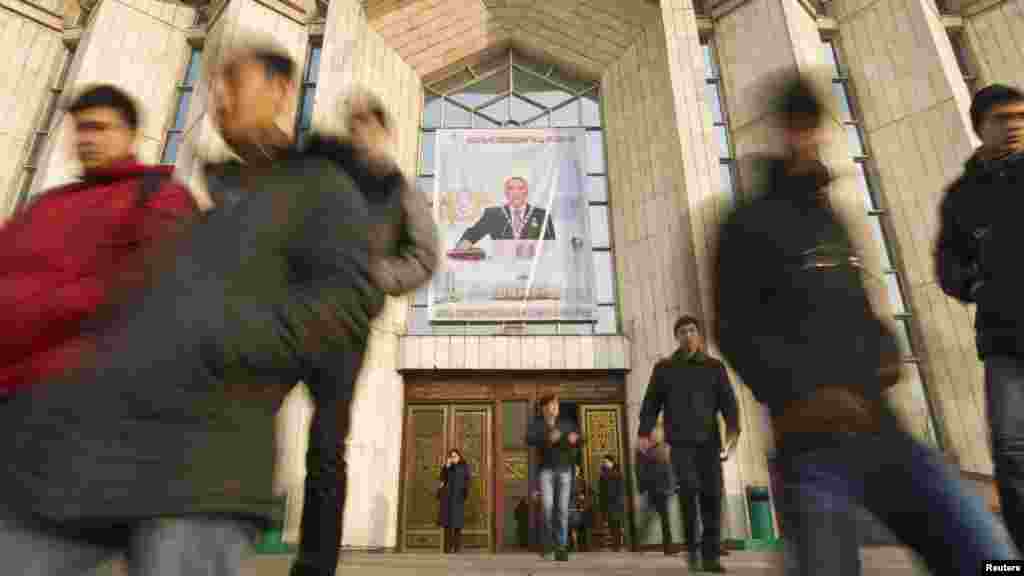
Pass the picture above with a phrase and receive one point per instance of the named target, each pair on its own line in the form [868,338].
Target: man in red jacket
[65,254]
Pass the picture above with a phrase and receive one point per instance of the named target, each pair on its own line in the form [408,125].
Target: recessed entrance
[486,418]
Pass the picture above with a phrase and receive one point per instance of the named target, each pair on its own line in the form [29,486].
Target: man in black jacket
[693,388]
[795,321]
[558,442]
[977,260]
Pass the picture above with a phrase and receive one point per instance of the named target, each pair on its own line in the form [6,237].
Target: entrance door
[602,427]
[431,431]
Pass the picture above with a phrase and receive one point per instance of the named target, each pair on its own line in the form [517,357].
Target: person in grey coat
[455,479]
[164,446]
[403,254]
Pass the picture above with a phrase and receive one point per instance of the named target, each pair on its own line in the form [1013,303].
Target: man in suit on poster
[516,220]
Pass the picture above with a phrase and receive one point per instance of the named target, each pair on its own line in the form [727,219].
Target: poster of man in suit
[514,218]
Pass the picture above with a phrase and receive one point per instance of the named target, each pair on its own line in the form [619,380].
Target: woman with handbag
[455,478]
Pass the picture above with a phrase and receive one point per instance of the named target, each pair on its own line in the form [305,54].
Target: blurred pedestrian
[612,498]
[403,254]
[660,483]
[795,321]
[558,442]
[78,249]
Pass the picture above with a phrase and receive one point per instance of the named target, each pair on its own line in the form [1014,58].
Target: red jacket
[60,259]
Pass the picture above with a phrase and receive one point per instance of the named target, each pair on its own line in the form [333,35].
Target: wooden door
[602,428]
[431,432]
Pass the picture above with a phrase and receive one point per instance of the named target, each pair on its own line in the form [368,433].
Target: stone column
[914,104]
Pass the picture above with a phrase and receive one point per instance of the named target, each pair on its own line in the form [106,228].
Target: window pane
[538,90]
[431,111]
[595,153]
[606,321]
[425,184]
[171,148]
[313,68]
[842,102]
[427,140]
[591,109]
[710,67]
[181,115]
[457,117]
[598,188]
[853,137]
[419,321]
[497,111]
[830,58]
[903,336]
[480,121]
[422,297]
[599,233]
[484,90]
[573,85]
[865,190]
[604,278]
[722,135]
[876,229]
[895,294]
[568,115]
[712,98]
[194,60]
[541,122]
[523,111]
[728,187]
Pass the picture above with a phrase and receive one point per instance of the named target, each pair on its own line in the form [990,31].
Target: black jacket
[792,311]
[558,455]
[691,391]
[977,255]
[496,222]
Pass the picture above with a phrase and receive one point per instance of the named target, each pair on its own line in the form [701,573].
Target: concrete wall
[30,41]
[995,36]
[914,104]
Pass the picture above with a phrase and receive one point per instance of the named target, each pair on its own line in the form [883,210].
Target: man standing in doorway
[693,388]
[558,442]
[978,260]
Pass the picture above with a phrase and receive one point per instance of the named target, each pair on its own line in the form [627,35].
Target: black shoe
[714,567]
[302,568]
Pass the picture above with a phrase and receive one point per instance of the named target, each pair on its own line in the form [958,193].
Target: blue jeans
[556,483]
[903,483]
[1004,396]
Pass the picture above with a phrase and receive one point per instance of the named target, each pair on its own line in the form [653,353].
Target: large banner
[514,219]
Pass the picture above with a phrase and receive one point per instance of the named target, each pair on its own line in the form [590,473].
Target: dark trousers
[1004,395]
[615,527]
[660,502]
[904,484]
[332,387]
[699,469]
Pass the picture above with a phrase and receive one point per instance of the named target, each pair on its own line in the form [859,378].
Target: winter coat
[560,455]
[691,390]
[67,255]
[977,255]
[404,244]
[177,417]
[454,491]
[793,315]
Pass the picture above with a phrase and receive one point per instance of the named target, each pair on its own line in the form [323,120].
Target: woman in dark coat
[455,477]
[612,498]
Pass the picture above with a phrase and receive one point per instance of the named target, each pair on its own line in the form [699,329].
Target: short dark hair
[685,321]
[990,97]
[107,96]
[798,104]
[546,399]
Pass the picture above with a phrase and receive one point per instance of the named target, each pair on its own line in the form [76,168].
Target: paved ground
[884,561]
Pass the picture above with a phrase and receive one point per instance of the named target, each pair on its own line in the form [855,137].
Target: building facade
[666,94]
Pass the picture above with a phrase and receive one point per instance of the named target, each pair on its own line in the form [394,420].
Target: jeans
[159,547]
[556,483]
[1004,395]
[332,388]
[903,483]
